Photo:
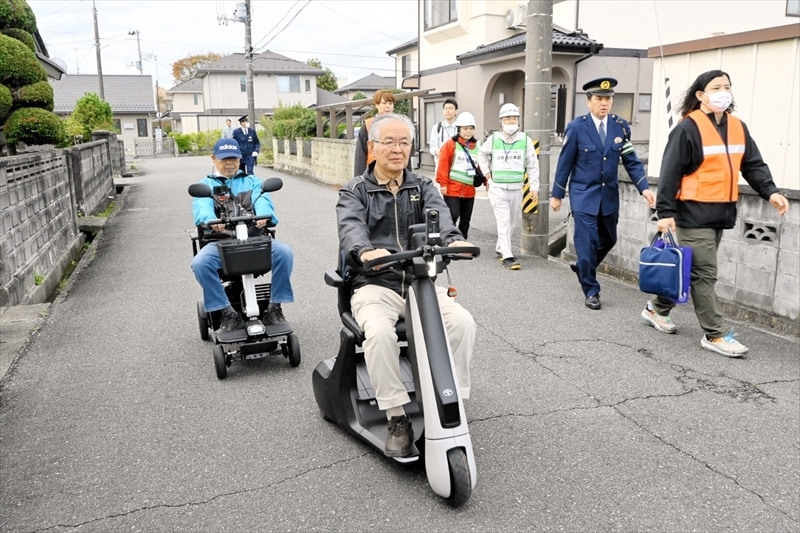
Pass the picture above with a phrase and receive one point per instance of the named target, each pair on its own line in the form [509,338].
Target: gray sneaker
[401,434]
[660,322]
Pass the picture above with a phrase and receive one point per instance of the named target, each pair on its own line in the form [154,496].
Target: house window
[793,8]
[243,83]
[195,98]
[431,117]
[288,84]
[117,125]
[141,125]
[623,106]
[406,65]
[308,86]
[645,102]
[440,12]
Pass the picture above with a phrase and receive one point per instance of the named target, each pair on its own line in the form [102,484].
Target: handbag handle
[668,237]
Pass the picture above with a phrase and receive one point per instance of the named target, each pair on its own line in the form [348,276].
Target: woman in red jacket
[458,165]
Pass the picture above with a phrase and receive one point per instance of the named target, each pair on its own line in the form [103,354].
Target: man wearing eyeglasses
[374,213]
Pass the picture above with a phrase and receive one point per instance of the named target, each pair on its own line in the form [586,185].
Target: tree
[328,80]
[359,96]
[185,69]
[90,113]
[26,98]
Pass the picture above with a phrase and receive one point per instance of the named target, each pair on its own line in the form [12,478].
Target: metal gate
[164,147]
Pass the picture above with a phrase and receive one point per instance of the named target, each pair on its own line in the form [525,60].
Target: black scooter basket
[251,257]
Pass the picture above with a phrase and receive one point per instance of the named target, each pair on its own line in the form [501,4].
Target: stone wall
[39,234]
[329,160]
[759,259]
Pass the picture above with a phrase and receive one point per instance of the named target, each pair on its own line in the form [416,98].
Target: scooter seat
[351,324]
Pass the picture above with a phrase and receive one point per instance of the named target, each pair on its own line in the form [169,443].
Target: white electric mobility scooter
[342,385]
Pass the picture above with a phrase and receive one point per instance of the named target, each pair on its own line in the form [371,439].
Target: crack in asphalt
[208,500]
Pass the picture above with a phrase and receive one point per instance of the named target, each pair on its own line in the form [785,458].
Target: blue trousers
[595,236]
[246,164]
[206,265]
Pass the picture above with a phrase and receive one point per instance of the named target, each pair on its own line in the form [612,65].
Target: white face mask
[719,101]
[510,129]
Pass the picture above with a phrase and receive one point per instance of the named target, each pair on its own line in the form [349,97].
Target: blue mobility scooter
[244,258]
[343,389]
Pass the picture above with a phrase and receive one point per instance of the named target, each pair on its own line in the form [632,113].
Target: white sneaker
[660,322]
[727,345]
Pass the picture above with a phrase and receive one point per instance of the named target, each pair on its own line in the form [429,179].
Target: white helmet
[465,119]
[509,110]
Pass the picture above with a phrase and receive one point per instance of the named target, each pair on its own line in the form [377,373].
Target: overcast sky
[350,37]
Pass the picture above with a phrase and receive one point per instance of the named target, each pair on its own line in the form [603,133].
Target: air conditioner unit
[516,20]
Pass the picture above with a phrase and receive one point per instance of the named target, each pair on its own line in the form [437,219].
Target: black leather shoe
[593,302]
[230,321]
[274,315]
[574,267]
[401,434]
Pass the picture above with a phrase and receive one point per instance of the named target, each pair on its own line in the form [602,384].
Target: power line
[361,24]
[57,10]
[65,32]
[276,25]
[287,25]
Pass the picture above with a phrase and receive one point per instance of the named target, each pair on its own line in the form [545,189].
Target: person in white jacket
[444,130]
[505,158]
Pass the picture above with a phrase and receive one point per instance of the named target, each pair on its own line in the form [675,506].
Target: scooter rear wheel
[460,483]
[219,362]
[202,320]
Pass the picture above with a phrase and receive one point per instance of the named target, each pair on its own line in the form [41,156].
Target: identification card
[471,172]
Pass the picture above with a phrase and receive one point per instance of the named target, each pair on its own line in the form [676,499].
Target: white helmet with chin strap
[509,110]
[465,119]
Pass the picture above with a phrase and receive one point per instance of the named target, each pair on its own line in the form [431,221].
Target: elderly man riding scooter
[243,193]
[374,213]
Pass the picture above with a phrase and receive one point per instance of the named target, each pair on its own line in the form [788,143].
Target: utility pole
[154,58]
[244,14]
[139,48]
[538,76]
[97,46]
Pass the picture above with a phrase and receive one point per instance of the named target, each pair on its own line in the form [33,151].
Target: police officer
[593,146]
[248,143]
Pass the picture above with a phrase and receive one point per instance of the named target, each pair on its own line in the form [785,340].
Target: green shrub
[200,142]
[40,94]
[18,64]
[92,113]
[34,126]
[17,14]
[6,100]
[184,142]
[22,36]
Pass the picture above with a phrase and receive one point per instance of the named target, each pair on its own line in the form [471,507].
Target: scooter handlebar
[236,220]
[451,252]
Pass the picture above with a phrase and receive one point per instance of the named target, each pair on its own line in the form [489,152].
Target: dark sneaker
[499,256]
[274,315]
[593,302]
[574,267]
[398,442]
[230,321]
[511,263]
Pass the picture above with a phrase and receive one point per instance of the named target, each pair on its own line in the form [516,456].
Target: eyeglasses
[405,145]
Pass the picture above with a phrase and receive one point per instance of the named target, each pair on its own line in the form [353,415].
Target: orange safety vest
[716,180]
[370,153]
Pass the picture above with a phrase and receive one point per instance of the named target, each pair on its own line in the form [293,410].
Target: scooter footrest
[277,330]
[366,391]
[230,337]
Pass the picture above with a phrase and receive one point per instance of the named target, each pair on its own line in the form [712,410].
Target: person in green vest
[504,159]
[458,172]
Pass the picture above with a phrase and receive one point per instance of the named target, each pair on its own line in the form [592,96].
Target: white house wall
[184,103]
[765,83]
[223,91]
[638,24]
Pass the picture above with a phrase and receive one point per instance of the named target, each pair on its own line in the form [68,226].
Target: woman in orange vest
[697,193]
[457,172]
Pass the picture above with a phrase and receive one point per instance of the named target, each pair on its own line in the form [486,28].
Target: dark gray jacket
[371,217]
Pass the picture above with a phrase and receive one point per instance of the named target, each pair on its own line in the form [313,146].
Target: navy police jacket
[590,169]
[248,142]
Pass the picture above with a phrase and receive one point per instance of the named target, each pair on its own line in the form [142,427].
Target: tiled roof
[326,97]
[126,93]
[561,42]
[408,44]
[194,85]
[265,62]
[369,83]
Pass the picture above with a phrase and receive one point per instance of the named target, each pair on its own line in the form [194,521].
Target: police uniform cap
[600,86]
[244,118]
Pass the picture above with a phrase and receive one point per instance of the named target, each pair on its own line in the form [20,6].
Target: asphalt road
[113,419]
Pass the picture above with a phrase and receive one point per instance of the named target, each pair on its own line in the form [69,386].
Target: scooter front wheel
[460,483]
[219,362]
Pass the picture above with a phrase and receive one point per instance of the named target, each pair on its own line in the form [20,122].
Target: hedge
[6,100]
[199,142]
[22,36]
[17,14]
[32,125]
[18,65]
[40,94]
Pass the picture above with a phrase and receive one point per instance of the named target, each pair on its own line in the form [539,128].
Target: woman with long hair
[697,193]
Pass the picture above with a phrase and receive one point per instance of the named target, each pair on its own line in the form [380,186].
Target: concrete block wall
[39,233]
[758,260]
[116,150]
[330,160]
[90,167]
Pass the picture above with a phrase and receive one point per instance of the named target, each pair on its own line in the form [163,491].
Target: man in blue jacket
[593,146]
[245,191]
[248,144]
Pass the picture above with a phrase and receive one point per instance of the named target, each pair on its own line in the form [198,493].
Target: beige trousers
[377,309]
